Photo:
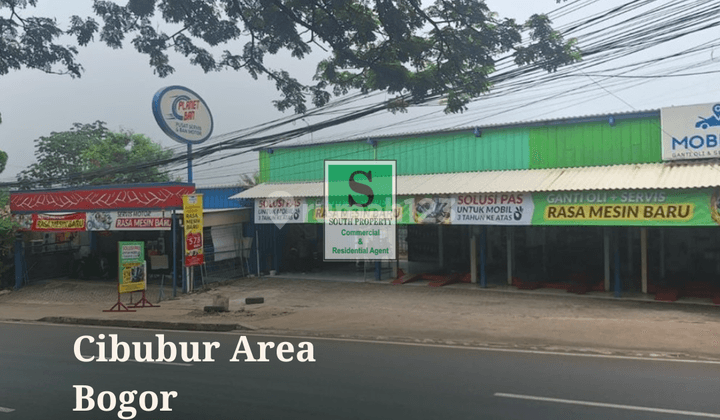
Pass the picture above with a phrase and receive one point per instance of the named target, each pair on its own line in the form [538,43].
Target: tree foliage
[446,48]
[3,156]
[88,147]
[247,180]
[7,236]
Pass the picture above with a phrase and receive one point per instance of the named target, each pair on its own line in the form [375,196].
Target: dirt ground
[464,315]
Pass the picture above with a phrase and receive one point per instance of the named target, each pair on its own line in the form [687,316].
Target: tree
[7,236]
[124,150]
[417,52]
[3,156]
[7,228]
[247,180]
[87,147]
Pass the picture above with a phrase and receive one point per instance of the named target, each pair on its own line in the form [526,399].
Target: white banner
[690,132]
[224,243]
[128,220]
[492,209]
[280,210]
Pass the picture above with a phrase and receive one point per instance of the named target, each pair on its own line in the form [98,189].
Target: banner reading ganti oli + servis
[360,199]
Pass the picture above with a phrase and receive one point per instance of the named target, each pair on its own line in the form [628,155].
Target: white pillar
[509,235]
[606,248]
[473,256]
[643,258]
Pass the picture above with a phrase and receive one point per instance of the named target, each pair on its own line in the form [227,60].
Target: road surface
[348,380]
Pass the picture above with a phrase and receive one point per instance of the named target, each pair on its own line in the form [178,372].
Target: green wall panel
[551,146]
[458,152]
[595,144]
[264,164]
[307,163]
[444,153]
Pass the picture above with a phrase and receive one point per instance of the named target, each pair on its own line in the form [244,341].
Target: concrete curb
[158,325]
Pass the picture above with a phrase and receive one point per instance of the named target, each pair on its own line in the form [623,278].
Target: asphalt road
[348,380]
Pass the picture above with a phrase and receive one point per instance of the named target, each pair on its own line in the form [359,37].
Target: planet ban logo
[175,114]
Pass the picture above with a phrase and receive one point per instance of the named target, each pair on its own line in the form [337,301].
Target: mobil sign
[691,132]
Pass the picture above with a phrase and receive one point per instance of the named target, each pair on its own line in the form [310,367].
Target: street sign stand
[143,302]
[132,276]
[193,243]
[119,306]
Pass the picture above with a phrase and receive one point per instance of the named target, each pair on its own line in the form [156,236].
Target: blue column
[182,265]
[378,270]
[174,256]
[617,273]
[189,159]
[276,253]
[19,261]
[483,255]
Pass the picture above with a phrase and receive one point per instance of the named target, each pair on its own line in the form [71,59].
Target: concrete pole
[473,256]
[606,248]
[643,258]
[509,237]
[191,278]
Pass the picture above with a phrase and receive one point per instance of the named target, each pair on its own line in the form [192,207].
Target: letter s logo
[361,189]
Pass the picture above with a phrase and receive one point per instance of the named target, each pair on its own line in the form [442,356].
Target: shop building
[621,202]
[226,248]
[74,232]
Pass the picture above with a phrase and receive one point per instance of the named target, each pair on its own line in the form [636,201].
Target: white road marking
[496,349]
[157,363]
[607,405]
[6,410]
[397,343]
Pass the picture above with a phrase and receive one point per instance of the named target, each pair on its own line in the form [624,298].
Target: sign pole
[174,258]
[189,159]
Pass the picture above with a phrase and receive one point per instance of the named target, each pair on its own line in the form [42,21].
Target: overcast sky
[117,87]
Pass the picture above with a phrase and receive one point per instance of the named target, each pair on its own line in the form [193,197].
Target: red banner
[103,198]
[52,223]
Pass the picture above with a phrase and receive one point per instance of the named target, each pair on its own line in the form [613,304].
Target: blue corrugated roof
[219,198]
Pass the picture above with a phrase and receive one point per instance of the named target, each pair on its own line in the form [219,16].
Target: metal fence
[226,254]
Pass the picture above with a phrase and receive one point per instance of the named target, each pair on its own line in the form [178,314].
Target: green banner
[131,266]
[403,210]
[683,207]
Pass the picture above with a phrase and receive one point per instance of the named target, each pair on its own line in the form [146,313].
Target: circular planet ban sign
[182,114]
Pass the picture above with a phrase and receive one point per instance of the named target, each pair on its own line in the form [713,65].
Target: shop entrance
[299,251]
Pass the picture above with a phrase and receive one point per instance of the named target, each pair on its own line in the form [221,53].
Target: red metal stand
[119,305]
[143,302]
